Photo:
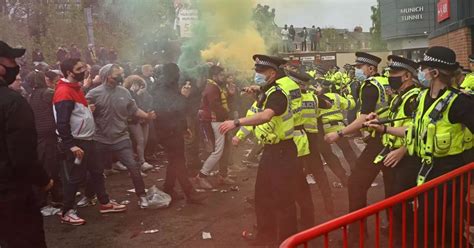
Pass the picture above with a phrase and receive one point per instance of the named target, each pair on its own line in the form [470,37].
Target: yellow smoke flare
[235,37]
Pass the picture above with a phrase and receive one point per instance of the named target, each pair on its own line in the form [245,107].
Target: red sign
[443,10]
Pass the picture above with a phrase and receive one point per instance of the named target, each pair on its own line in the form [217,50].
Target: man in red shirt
[214,110]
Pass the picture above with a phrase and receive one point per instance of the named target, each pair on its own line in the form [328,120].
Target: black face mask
[10,74]
[79,77]
[118,79]
[395,82]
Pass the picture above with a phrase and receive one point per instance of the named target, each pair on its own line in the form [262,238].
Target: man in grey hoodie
[113,106]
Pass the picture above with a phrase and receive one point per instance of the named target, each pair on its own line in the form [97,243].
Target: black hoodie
[169,104]
[19,166]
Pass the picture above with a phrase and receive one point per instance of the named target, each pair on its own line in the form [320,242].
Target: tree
[376,29]
[121,24]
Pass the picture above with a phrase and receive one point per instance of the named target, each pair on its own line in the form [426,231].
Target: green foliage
[376,29]
[265,24]
[123,24]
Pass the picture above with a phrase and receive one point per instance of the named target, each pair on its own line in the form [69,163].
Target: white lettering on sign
[307,58]
[416,9]
[412,13]
[328,58]
[412,17]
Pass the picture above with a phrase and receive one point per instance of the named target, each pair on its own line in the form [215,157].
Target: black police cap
[400,63]
[268,61]
[440,57]
[367,59]
[7,51]
[299,77]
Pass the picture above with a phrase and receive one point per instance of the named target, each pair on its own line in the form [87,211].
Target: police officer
[373,98]
[401,78]
[312,162]
[278,169]
[436,135]
[468,82]
[332,120]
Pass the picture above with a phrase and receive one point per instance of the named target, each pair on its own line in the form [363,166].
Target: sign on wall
[443,10]
[186,18]
[406,18]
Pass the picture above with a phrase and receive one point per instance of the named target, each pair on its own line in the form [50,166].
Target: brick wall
[459,40]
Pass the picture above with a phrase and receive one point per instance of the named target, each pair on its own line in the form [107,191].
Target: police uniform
[332,120]
[436,136]
[402,108]
[278,168]
[468,82]
[245,131]
[312,162]
[373,98]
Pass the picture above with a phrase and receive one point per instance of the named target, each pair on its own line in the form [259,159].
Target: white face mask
[422,78]
[260,79]
[359,74]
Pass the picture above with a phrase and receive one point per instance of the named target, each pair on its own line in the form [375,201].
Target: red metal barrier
[430,189]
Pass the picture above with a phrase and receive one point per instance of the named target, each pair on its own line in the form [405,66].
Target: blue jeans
[123,151]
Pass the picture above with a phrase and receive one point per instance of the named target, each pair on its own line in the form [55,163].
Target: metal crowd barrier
[452,189]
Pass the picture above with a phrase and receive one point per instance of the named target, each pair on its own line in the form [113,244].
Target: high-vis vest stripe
[468,82]
[332,119]
[397,111]
[381,107]
[245,131]
[432,134]
[293,91]
[381,83]
[309,112]
[279,128]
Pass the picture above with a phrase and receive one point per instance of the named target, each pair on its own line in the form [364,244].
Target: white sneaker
[119,166]
[146,166]
[71,218]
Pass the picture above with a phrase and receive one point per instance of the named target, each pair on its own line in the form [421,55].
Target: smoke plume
[231,37]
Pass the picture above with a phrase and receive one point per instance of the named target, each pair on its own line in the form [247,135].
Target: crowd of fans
[307,40]
[91,55]
[107,118]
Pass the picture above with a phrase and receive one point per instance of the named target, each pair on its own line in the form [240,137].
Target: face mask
[79,77]
[359,74]
[422,78]
[395,82]
[260,79]
[10,74]
[118,79]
